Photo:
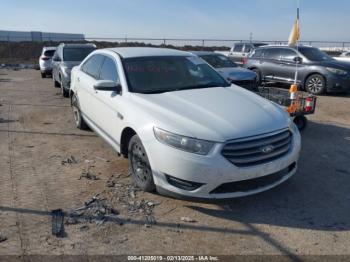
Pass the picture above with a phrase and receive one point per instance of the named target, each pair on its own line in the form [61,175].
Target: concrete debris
[95,210]
[102,159]
[69,161]
[3,238]
[88,175]
[188,220]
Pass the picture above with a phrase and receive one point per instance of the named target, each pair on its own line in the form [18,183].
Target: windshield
[76,54]
[218,61]
[170,73]
[315,54]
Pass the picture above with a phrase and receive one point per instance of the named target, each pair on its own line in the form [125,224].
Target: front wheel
[64,91]
[78,119]
[315,84]
[139,165]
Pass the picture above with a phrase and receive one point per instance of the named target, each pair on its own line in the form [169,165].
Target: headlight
[336,71]
[184,143]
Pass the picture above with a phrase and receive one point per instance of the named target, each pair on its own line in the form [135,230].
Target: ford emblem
[267,149]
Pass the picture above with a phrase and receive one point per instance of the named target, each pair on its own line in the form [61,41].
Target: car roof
[78,45]
[285,46]
[49,48]
[250,43]
[200,53]
[130,52]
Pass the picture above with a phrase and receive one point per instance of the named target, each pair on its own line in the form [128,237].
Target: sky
[223,19]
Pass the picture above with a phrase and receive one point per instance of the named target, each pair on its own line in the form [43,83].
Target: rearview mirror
[298,60]
[107,85]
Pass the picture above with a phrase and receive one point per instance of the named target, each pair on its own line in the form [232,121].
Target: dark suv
[317,72]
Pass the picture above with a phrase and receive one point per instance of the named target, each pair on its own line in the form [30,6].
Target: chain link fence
[24,50]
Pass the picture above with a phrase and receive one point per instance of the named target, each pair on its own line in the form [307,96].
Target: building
[18,36]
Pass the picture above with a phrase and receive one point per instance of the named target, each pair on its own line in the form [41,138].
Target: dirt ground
[307,215]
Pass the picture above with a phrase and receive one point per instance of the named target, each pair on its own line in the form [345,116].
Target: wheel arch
[125,137]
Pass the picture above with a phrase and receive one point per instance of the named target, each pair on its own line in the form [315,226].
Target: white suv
[185,130]
[45,61]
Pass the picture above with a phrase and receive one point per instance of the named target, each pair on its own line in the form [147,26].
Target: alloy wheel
[315,84]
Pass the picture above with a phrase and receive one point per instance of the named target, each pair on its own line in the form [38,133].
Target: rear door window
[273,54]
[109,70]
[288,55]
[238,48]
[248,48]
[93,65]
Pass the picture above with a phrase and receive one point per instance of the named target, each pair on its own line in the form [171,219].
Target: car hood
[215,114]
[335,64]
[236,73]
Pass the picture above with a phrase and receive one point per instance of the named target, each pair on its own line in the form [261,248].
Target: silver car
[65,58]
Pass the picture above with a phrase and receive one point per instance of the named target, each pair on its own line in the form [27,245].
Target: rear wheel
[315,84]
[78,119]
[64,91]
[139,165]
[56,83]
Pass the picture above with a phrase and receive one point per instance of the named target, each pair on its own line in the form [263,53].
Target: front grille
[253,184]
[259,150]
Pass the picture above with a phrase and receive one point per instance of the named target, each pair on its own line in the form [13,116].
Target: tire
[55,83]
[139,165]
[300,122]
[259,76]
[315,84]
[78,119]
[43,75]
[64,91]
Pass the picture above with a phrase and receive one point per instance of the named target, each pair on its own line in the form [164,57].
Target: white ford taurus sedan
[185,129]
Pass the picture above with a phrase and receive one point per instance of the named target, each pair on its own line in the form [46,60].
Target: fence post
[9,47]
[164,41]
[203,43]
[343,46]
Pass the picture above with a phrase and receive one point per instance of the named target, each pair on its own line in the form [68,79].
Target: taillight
[45,58]
[308,104]
[244,60]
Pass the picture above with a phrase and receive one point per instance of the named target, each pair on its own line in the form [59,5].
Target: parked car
[345,56]
[45,61]
[184,128]
[239,51]
[317,71]
[65,58]
[229,70]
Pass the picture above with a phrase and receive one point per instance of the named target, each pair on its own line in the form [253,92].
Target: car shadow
[316,198]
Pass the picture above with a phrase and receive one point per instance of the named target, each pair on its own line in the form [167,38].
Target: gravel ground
[308,215]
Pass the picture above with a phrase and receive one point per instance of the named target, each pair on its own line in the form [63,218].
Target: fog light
[183,184]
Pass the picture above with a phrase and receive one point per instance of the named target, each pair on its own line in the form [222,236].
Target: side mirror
[298,60]
[107,85]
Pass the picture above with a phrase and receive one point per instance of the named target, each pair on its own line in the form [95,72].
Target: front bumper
[215,172]
[338,83]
